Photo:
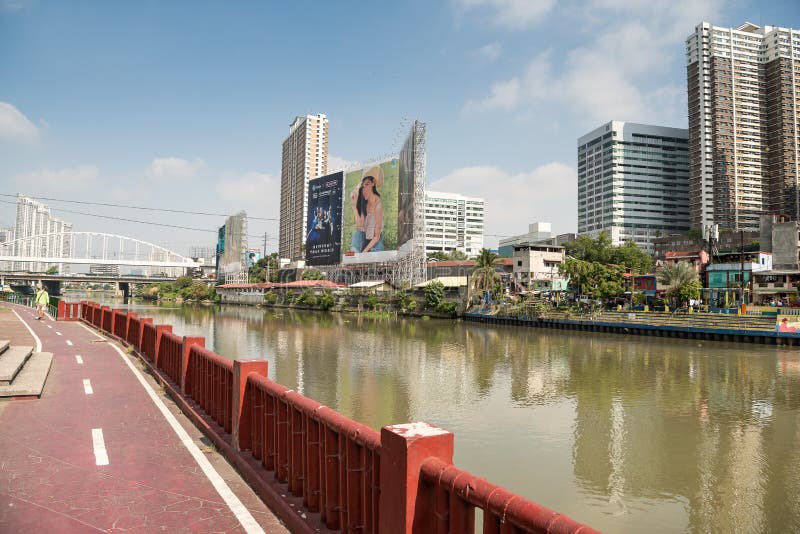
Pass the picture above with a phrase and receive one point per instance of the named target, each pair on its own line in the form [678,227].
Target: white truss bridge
[88,248]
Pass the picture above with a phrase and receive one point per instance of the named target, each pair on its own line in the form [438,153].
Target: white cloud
[546,193]
[510,14]
[617,73]
[58,179]
[489,52]
[336,163]
[257,193]
[16,127]
[535,83]
[175,168]
[9,6]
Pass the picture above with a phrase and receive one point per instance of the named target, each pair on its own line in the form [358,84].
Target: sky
[183,105]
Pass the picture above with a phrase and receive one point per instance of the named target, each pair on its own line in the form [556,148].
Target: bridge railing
[350,477]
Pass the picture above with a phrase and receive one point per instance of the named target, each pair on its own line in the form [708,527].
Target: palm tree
[484,277]
[675,276]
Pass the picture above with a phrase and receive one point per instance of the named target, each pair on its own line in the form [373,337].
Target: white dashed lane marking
[58,333]
[79,359]
[69,342]
[100,453]
[87,386]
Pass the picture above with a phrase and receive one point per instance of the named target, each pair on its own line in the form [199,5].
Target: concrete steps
[22,371]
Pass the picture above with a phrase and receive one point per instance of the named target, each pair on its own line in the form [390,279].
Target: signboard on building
[370,213]
[324,232]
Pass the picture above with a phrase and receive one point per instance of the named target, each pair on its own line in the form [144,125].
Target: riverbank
[705,326]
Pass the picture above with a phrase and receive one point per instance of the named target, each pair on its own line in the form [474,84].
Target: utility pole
[265,257]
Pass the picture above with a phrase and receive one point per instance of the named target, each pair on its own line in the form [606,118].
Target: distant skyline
[184,105]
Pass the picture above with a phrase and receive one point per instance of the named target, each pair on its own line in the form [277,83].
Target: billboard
[370,213]
[405,201]
[324,216]
[251,257]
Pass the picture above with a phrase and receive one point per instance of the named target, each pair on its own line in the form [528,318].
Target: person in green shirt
[42,301]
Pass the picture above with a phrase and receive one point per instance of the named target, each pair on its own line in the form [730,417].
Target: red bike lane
[97,453]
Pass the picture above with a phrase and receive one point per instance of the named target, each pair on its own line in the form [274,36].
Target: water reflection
[623,433]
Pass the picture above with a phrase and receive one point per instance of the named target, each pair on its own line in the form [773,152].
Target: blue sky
[184,105]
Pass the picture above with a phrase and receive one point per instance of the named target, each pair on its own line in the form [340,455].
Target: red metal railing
[135,328]
[330,460]
[69,311]
[120,322]
[359,480]
[149,335]
[209,382]
[97,316]
[170,351]
[458,493]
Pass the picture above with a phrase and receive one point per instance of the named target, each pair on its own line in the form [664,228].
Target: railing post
[62,310]
[160,329]
[115,313]
[241,412]
[130,315]
[138,342]
[187,345]
[403,509]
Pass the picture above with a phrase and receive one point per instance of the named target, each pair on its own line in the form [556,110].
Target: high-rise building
[633,182]
[305,156]
[453,222]
[743,88]
[49,237]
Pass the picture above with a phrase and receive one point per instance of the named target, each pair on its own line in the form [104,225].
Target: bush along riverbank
[184,289]
[430,302]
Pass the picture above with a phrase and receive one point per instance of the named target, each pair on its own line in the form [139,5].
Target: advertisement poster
[788,323]
[324,232]
[370,213]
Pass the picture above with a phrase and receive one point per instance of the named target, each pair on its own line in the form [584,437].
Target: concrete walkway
[105,450]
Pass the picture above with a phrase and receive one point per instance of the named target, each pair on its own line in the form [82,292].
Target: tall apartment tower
[50,236]
[453,222]
[305,156]
[633,182]
[743,87]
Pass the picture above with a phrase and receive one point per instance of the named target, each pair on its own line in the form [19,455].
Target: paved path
[98,453]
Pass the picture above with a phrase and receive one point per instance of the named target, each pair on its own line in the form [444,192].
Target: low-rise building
[536,266]
[538,233]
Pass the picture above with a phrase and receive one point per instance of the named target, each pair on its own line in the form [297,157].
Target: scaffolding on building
[410,266]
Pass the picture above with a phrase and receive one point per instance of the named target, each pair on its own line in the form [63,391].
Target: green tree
[312,274]
[457,255]
[593,278]
[631,256]
[588,249]
[680,280]
[183,282]
[52,270]
[371,301]
[484,278]
[197,291]
[326,301]
[434,294]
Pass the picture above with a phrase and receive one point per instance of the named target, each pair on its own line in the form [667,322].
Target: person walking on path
[42,301]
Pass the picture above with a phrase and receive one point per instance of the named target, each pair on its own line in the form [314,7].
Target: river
[624,433]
